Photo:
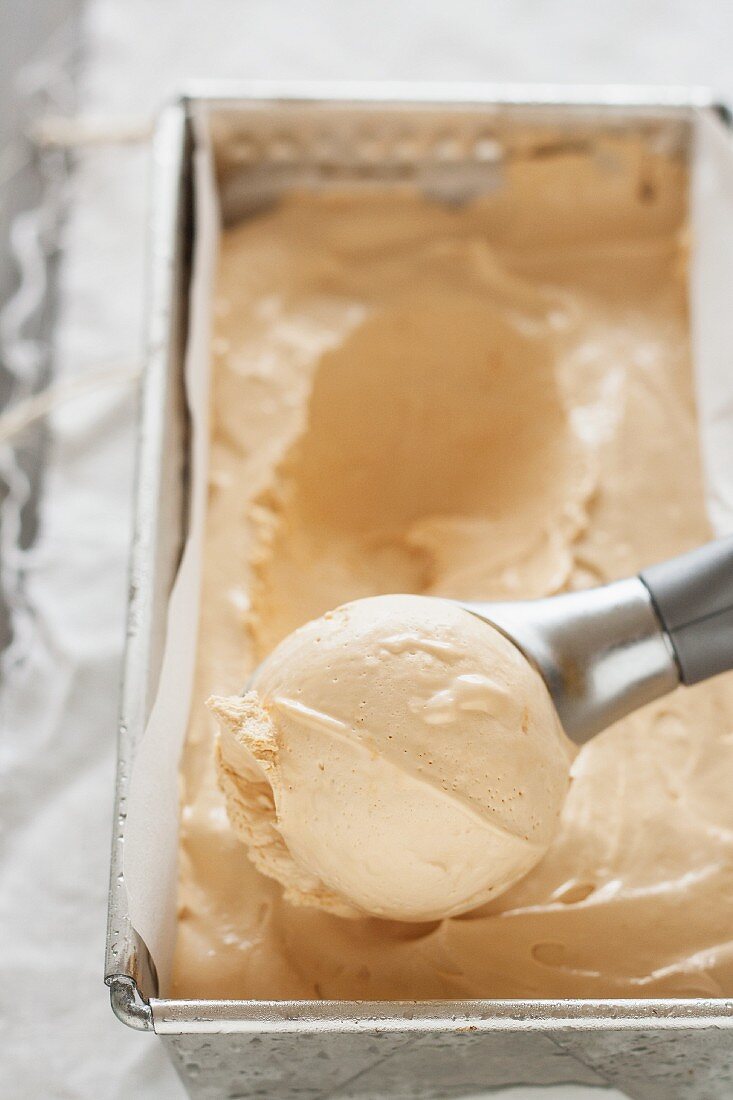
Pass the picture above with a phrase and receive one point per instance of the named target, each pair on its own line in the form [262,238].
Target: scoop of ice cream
[396,757]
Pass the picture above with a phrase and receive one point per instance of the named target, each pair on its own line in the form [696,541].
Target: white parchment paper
[711,297]
[151,839]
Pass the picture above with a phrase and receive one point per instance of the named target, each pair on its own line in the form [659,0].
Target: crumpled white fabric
[61,678]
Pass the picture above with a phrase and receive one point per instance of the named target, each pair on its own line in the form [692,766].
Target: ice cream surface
[479,401]
[395,757]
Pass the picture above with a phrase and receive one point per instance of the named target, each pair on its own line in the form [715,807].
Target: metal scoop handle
[693,597]
[605,652]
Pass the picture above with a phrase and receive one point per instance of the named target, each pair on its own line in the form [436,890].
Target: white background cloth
[61,678]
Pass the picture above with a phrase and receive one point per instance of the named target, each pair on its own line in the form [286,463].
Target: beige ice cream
[485,401]
[396,757]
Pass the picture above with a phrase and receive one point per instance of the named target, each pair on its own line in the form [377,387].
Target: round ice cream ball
[397,757]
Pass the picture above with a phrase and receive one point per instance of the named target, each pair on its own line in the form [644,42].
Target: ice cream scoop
[406,756]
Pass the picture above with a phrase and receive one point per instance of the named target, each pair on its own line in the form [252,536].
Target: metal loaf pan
[448,140]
